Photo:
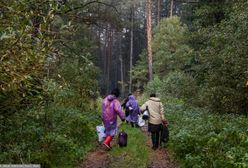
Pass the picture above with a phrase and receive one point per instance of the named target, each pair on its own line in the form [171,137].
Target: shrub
[58,132]
[175,85]
[202,139]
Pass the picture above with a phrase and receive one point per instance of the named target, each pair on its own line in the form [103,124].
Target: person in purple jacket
[111,107]
[134,110]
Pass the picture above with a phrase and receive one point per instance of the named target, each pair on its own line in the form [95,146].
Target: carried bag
[100,133]
[141,122]
[146,114]
[122,139]
[164,134]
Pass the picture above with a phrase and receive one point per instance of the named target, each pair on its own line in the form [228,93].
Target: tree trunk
[109,44]
[171,8]
[121,61]
[149,37]
[158,11]
[105,53]
[131,51]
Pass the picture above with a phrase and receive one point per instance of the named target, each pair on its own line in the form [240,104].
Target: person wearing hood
[126,109]
[156,118]
[111,108]
[134,110]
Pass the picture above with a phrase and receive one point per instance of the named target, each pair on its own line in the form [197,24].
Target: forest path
[138,153]
[159,158]
[96,159]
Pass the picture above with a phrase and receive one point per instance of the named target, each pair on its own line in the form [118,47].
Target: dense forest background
[58,57]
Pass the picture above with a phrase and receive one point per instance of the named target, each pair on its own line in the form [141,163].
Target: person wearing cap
[111,108]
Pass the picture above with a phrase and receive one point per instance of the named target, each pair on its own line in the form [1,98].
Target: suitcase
[122,139]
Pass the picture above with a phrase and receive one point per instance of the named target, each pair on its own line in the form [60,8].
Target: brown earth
[100,158]
[159,158]
[96,159]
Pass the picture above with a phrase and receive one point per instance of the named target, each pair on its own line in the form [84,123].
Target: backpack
[122,139]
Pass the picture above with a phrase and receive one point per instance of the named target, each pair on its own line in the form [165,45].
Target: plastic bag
[141,122]
[145,115]
[100,133]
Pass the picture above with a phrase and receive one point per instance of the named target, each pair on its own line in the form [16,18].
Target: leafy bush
[47,89]
[180,85]
[56,134]
[221,57]
[202,139]
[170,46]
[175,85]
[155,86]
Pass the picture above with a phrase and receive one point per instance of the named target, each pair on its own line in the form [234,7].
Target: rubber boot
[107,141]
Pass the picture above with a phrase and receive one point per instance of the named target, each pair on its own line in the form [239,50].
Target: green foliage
[155,86]
[222,65]
[23,48]
[140,71]
[171,51]
[175,85]
[201,139]
[57,134]
[47,89]
[180,85]
[214,74]
[213,11]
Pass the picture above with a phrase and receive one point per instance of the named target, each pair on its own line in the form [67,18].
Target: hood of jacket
[111,97]
[154,99]
[131,97]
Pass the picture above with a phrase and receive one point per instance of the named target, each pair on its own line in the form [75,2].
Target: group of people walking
[111,108]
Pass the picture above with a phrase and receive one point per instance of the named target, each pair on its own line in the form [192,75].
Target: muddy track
[100,158]
[96,159]
[159,158]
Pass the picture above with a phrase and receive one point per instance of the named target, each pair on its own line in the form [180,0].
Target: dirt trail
[96,159]
[100,158]
[159,158]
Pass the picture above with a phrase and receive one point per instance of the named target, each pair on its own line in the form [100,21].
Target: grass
[135,154]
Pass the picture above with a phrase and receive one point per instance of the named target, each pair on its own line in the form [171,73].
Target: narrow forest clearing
[138,153]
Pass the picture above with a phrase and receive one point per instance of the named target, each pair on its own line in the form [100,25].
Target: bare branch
[89,3]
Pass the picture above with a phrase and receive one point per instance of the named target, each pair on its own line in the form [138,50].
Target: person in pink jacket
[111,107]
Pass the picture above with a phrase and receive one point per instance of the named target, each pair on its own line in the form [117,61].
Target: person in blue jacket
[134,110]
